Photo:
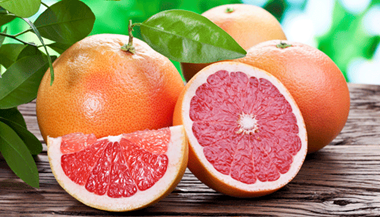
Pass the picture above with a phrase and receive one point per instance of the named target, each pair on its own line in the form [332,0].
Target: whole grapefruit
[247,24]
[101,89]
[315,82]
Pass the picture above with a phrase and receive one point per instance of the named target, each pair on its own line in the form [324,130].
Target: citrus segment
[78,165]
[121,181]
[247,136]
[155,142]
[146,168]
[118,174]
[76,141]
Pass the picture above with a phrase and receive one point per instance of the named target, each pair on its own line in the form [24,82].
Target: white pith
[258,186]
[247,124]
[176,149]
[114,138]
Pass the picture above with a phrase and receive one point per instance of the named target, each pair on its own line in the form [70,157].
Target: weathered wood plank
[343,179]
[362,127]
[335,181]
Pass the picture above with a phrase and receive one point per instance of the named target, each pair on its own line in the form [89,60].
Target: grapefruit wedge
[119,173]
[246,134]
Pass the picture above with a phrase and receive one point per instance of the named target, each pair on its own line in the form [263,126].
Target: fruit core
[247,124]
[245,127]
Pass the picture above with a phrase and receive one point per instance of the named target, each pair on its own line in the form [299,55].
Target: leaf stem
[44,4]
[130,29]
[23,32]
[15,38]
[129,47]
[35,30]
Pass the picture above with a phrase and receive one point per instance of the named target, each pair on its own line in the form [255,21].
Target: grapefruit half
[246,134]
[119,173]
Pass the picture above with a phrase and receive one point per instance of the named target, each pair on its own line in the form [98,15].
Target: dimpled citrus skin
[314,80]
[247,24]
[101,89]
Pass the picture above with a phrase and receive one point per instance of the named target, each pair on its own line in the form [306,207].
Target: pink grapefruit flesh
[119,173]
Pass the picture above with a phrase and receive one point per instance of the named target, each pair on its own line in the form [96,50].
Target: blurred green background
[346,30]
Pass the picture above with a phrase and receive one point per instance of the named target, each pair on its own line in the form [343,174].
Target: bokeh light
[355,6]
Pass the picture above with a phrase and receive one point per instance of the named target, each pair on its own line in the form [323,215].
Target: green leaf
[17,156]
[33,144]
[276,8]
[9,53]
[185,36]
[2,37]
[35,30]
[14,115]
[59,47]
[6,18]
[29,50]
[66,21]
[21,80]
[22,8]
[206,5]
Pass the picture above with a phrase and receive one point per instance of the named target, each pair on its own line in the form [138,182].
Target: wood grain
[343,179]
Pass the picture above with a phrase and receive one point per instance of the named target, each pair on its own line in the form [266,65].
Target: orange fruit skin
[101,89]
[314,80]
[247,24]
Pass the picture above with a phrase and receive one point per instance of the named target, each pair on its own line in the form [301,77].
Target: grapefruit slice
[246,134]
[119,173]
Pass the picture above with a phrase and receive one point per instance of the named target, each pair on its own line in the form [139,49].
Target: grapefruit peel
[202,168]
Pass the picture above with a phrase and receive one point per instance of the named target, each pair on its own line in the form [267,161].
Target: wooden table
[341,179]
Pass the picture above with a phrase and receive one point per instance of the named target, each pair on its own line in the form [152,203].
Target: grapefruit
[119,173]
[247,137]
[101,89]
[315,82]
[247,24]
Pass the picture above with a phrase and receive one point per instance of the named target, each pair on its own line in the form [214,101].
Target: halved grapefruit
[246,134]
[119,173]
